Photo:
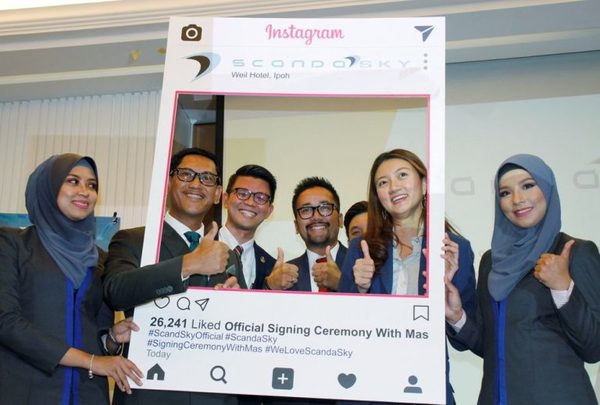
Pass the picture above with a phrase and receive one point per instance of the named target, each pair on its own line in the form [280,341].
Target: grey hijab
[69,243]
[515,250]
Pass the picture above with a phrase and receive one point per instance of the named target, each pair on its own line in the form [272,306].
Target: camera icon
[191,32]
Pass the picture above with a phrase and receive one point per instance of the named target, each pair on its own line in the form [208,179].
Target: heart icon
[346,380]
[162,302]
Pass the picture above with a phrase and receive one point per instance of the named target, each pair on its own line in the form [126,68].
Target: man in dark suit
[194,187]
[248,200]
[318,220]
[316,207]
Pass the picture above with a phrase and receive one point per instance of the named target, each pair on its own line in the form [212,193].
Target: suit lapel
[304,275]
[171,245]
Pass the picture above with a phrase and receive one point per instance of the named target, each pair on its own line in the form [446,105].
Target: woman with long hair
[390,259]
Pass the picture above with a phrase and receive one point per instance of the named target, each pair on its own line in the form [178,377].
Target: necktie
[193,238]
[239,250]
[323,260]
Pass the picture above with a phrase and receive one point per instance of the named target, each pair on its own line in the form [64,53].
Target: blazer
[264,264]
[41,317]
[127,285]
[543,348]
[464,280]
[304,273]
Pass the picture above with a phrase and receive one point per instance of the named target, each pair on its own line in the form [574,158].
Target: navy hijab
[515,250]
[71,244]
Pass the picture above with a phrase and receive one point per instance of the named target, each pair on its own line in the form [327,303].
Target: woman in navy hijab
[51,306]
[538,315]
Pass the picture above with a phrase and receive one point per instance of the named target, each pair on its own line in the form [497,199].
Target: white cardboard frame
[205,333]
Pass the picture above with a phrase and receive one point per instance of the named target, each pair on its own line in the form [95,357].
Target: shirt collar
[181,228]
[226,236]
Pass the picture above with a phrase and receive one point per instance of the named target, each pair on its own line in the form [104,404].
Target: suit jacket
[304,273]
[464,280]
[544,348]
[41,317]
[264,264]
[126,285]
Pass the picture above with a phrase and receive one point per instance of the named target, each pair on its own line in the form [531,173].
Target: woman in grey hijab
[538,314]
[51,305]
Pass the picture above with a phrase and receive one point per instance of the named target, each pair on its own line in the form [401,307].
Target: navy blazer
[464,280]
[264,264]
[304,273]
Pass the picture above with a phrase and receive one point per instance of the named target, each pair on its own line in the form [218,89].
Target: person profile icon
[413,388]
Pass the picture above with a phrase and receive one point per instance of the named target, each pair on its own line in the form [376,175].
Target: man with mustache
[316,207]
[189,256]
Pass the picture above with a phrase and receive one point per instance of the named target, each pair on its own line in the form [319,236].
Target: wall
[116,130]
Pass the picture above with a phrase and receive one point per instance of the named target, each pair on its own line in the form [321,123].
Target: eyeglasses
[307,211]
[188,175]
[258,197]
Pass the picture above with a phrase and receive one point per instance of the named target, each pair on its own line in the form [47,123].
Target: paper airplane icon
[202,303]
[425,30]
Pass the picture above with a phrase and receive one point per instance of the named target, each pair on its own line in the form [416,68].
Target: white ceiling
[118,46]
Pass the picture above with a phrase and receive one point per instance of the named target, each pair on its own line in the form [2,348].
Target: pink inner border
[306,95]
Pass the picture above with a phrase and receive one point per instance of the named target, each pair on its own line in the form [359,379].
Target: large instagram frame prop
[339,346]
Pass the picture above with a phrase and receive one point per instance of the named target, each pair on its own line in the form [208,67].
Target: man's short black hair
[356,208]
[311,182]
[178,157]
[257,172]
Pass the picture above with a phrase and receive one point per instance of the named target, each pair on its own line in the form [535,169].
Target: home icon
[156,372]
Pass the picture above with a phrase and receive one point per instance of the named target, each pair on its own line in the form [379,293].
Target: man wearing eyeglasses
[316,207]
[189,256]
[248,200]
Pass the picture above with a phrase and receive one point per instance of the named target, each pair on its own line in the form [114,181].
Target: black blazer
[41,317]
[544,347]
[126,285]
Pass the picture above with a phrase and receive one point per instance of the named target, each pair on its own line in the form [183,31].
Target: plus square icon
[283,378]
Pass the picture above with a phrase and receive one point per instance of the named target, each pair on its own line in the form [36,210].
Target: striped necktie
[193,238]
[239,250]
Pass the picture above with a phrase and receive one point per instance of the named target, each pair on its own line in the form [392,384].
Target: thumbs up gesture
[284,275]
[209,258]
[364,269]
[553,270]
[326,272]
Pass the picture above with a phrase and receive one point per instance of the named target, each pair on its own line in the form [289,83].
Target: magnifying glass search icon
[217,373]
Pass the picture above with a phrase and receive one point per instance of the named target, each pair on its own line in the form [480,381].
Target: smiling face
[357,228]
[190,201]
[246,215]
[318,232]
[78,194]
[521,199]
[400,190]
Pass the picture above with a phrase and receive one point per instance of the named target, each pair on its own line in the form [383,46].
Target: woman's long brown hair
[380,226]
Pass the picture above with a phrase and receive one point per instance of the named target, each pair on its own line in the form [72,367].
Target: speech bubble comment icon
[184,303]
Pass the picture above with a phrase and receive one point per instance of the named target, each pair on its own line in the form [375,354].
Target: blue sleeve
[464,281]
[354,252]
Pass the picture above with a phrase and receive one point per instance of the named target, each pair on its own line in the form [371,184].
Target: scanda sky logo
[207,63]
[347,62]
